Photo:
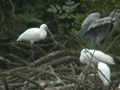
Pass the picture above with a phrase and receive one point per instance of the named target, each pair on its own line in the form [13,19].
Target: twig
[2,17]
[64,59]
[111,23]
[14,84]
[19,59]
[82,74]
[73,69]
[70,79]
[53,37]
[7,72]
[53,72]
[22,76]
[66,87]
[5,83]
[13,6]
[112,43]
[104,75]
[49,56]
[7,61]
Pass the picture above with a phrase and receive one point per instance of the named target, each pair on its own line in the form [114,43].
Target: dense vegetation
[55,59]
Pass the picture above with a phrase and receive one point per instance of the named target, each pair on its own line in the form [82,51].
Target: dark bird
[97,28]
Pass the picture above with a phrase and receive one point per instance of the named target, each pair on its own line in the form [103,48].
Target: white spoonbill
[88,56]
[34,34]
[104,73]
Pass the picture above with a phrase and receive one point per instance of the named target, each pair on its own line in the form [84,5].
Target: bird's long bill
[48,30]
[52,36]
[50,33]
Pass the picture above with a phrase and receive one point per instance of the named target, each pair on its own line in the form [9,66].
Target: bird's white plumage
[104,73]
[93,56]
[34,34]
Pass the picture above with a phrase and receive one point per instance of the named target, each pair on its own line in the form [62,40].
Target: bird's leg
[93,43]
[32,52]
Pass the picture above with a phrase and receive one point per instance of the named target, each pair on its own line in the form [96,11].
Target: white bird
[88,56]
[104,73]
[34,34]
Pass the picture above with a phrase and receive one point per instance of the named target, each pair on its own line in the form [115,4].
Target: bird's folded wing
[100,23]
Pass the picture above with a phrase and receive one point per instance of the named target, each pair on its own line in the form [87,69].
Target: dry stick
[53,37]
[66,87]
[26,82]
[108,48]
[25,78]
[45,58]
[73,69]
[62,60]
[12,5]
[111,22]
[14,85]
[50,57]
[19,59]
[8,61]
[112,18]
[5,83]
[53,72]
[70,79]
[14,70]
[103,75]
[2,17]
[81,78]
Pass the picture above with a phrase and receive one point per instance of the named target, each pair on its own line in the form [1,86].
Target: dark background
[64,18]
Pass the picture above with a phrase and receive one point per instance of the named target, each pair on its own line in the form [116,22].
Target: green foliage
[64,18]
[28,18]
[64,11]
